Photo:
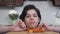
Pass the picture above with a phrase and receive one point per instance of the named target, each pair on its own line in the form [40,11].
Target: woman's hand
[47,27]
[19,26]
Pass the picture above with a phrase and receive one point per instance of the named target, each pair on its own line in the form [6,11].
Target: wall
[48,12]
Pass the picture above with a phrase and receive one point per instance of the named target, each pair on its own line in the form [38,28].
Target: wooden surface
[32,33]
[11,3]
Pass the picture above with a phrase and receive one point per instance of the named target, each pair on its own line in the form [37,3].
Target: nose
[32,18]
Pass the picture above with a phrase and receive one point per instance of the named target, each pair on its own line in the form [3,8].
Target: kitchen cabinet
[56,3]
[37,0]
[11,2]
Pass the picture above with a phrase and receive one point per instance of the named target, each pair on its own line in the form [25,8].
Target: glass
[13,15]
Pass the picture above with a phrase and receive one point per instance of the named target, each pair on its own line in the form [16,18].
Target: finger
[23,24]
[18,23]
[41,24]
[20,20]
[17,28]
[24,29]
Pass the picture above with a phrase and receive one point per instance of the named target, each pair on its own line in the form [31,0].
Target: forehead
[32,11]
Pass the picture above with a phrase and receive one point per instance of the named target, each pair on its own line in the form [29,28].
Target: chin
[32,27]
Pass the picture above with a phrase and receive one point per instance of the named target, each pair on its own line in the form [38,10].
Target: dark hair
[29,7]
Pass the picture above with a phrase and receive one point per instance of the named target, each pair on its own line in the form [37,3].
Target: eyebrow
[33,14]
[27,14]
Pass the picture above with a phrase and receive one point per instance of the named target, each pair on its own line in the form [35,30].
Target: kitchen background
[48,12]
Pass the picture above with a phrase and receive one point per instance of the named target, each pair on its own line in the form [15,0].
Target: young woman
[30,18]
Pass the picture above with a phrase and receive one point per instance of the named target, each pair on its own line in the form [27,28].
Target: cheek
[26,21]
[36,19]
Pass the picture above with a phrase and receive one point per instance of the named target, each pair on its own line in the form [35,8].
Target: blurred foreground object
[13,15]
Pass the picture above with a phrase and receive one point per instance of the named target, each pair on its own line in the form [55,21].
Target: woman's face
[31,18]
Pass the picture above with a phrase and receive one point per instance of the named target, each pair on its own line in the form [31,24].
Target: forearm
[5,28]
[55,28]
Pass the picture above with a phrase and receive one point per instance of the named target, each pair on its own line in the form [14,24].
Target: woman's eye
[27,16]
[35,16]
